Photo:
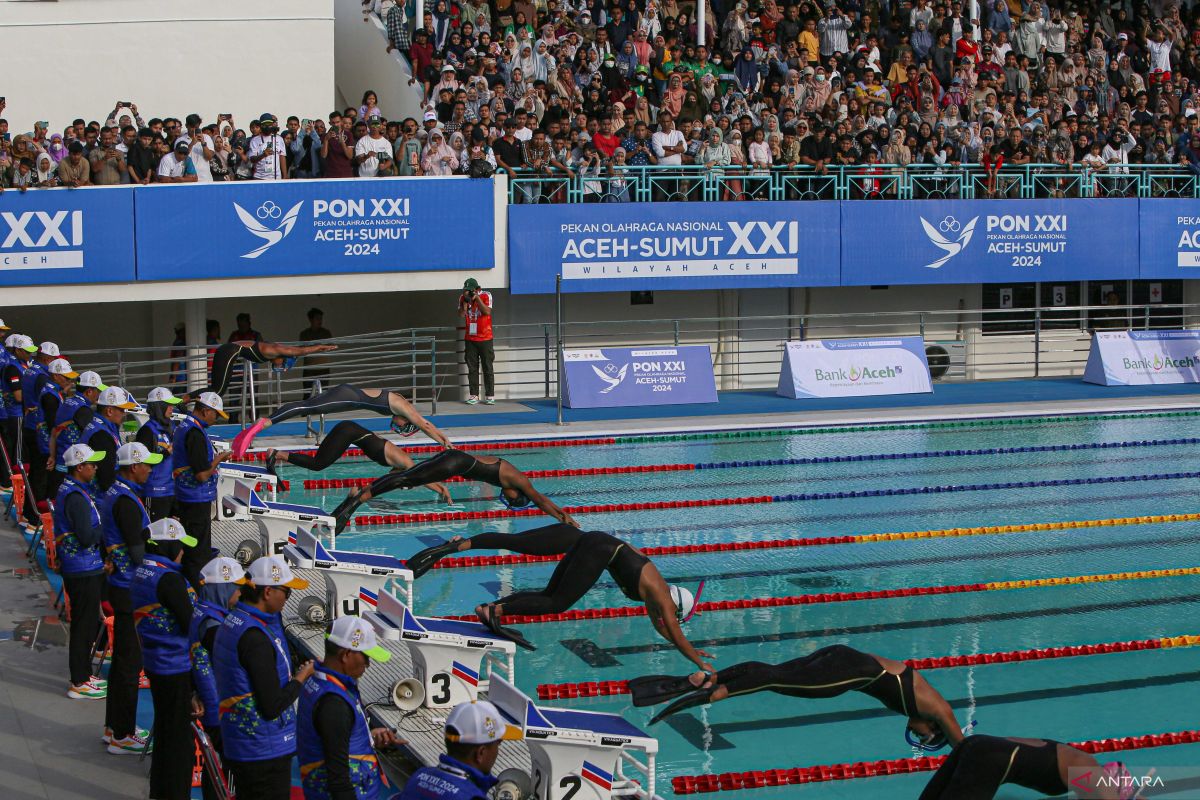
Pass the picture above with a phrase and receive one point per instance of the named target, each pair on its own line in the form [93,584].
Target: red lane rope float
[843,597]
[533,444]
[568,691]
[604,508]
[351,483]
[757,779]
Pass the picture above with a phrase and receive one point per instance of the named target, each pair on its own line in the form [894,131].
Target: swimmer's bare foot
[705,680]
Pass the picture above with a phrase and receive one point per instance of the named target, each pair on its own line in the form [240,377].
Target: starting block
[230,476]
[353,581]
[448,655]
[275,521]
[579,754]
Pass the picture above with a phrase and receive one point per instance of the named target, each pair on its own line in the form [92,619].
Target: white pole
[420,22]
[196,336]
[701,20]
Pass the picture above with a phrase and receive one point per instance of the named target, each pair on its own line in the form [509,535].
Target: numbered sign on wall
[1059,296]
[1006,298]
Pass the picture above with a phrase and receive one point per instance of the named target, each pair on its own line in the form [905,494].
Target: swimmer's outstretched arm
[402,408]
[277,350]
[548,506]
[661,612]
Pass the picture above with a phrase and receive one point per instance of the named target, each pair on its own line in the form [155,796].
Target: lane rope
[845,597]
[757,779]
[607,508]
[570,691]
[458,562]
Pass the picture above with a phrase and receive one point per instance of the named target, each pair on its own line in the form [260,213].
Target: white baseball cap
[479,723]
[49,349]
[19,341]
[223,569]
[81,454]
[213,401]
[163,395]
[60,366]
[353,633]
[169,529]
[91,380]
[136,453]
[116,397]
[274,571]
[4,327]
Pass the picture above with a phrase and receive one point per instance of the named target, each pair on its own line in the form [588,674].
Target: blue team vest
[203,677]
[44,425]
[12,406]
[97,424]
[114,542]
[5,360]
[31,389]
[245,734]
[71,434]
[450,779]
[187,488]
[364,765]
[165,649]
[161,482]
[73,557]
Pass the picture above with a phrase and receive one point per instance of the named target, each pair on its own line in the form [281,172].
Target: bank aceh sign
[263,228]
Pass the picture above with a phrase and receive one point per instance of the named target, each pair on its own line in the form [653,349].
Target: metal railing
[426,364]
[860,182]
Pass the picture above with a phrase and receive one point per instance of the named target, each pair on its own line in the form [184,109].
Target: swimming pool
[1070,699]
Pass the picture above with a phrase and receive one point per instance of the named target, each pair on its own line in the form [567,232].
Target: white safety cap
[19,341]
[60,366]
[479,723]
[223,569]
[81,454]
[49,349]
[354,633]
[274,571]
[116,397]
[136,453]
[162,394]
[213,401]
[169,529]
[91,380]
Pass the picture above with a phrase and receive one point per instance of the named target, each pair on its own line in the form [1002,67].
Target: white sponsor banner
[1139,358]
[854,368]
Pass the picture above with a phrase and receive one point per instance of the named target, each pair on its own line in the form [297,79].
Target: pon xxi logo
[266,215]
[611,375]
[950,235]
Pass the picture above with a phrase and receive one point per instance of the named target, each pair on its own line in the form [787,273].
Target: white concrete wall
[363,63]
[76,58]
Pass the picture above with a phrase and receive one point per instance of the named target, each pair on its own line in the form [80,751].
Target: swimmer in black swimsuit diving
[225,359]
[516,491]
[585,557]
[406,420]
[347,434]
[982,764]
[828,672]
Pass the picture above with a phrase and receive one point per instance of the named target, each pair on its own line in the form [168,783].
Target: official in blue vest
[194,463]
[156,434]
[254,683]
[335,738]
[54,393]
[73,417]
[220,588]
[113,405]
[126,532]
[35,377]
[77,537]
[474,732]
[18,349]
[163,605]
[5,472]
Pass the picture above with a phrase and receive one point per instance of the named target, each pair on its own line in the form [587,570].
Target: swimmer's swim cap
[685,602]
[407,429]
[1117,773]
[520,504]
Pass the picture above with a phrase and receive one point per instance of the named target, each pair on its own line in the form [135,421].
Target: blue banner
[1170,238]
[641,246]
[266,228]
[988,241]
[61,236]
[653,376]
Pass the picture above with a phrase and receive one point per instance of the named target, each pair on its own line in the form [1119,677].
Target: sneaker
[143,681]
[472,400]
[98,682]
[87,691]
[5,490]
[129,746]
[491,401]
[107,736]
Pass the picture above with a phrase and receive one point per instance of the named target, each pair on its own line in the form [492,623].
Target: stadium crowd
[554,88]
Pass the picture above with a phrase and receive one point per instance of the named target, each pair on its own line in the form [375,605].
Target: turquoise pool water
[1068,699]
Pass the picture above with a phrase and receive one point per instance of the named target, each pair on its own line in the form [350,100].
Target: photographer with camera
[268,153]
[475,307]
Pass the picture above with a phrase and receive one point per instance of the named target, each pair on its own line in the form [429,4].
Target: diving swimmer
[515,489]
[406,420]
[828,672]
[225,359]
[586,557]
[982,764]
[347,434]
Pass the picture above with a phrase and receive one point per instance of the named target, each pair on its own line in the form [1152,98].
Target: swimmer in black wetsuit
[406,420]
[225,359]
[982,764]
[828,672]
[515,489]
[347,434]
[585,557]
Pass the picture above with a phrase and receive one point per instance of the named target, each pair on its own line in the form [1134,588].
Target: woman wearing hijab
[922,41]
[737,165]
[673,99]
[439,158]
[627,60]
[692,107]
[746,70]
[46,175]
[56,148]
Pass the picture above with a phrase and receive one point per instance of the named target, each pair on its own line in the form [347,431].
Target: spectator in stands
[316,367]
[267,152]
[107,164]
[142,160]
[176,166]
[373,153]
[337,149]
[73,171]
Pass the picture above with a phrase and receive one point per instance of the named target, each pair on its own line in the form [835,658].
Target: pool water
[1069,699]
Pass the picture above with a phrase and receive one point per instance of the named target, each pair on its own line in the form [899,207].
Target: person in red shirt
[475,306]
[606,141]
[967,47]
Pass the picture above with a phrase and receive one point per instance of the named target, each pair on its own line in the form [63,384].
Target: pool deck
[537,419]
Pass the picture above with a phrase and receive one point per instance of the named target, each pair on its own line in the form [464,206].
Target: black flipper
[270,465]
[423,561]
[492,624]
[345,511]
[654,689]
[699,697]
